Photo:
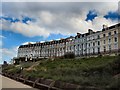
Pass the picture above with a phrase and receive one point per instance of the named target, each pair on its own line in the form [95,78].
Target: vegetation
[69,55]
[94,71]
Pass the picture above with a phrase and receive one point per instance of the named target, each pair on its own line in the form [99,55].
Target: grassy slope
[97,71]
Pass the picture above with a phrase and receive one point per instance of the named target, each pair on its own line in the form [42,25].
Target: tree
[5,63]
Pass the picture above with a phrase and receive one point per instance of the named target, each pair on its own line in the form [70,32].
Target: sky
[23,22]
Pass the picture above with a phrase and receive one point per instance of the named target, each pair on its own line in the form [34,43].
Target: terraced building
[105,41]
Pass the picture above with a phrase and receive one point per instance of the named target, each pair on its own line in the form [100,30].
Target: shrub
[4,69]
[100,55]
[115,84]
[15,70]
[69,55]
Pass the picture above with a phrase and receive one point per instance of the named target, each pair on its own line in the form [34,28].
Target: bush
[115,84]
[69,55]
[15,70]
[5,69]
[100,55]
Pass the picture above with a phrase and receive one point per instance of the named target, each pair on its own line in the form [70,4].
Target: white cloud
[46,17]
[59,1]
[8,54]
[25,43]
[29,29]
[5,53]
[1,43]
[99,21]
[1,36]
[55,18]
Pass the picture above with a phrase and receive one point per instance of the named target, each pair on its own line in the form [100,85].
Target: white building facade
[91,43]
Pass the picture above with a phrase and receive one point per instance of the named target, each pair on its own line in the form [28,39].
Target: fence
[46,84]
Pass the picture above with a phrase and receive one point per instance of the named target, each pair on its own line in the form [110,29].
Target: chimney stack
[90,31]
[104,26]
[78,33]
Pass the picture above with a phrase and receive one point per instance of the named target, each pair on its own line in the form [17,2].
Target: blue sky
[34,22]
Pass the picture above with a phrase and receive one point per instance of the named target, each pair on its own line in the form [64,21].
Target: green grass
[94,71]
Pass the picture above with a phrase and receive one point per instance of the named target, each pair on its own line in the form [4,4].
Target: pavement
[7,83]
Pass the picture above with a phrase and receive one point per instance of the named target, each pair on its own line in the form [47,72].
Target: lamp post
[26,58]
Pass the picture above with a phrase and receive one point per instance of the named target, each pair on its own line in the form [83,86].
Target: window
[98,42]
[115,39]
[89,50]
[115,46]
[109,40]
[104,41]
[109,33]
[109,47]
[104,35]
[98,50]
[115,32]
[98,36]
[93,44]
[104,49]
[89,44]
[78,46]
[93,50]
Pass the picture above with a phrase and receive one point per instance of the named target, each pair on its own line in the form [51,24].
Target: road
[9,83]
